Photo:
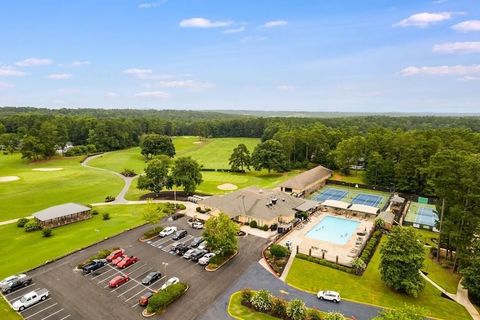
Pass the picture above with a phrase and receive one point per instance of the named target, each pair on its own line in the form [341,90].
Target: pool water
[333,229]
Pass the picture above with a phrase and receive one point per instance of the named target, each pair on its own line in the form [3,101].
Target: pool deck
[344,252]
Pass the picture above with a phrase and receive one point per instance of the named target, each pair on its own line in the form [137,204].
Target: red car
[115,254]
[127,262]
[118,259]
[143,301]
[118,281]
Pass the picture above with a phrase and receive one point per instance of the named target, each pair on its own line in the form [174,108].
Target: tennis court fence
[360,185]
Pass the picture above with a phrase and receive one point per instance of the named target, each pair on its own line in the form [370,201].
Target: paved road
[258,278]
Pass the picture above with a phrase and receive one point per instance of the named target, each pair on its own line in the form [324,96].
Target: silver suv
[329,295]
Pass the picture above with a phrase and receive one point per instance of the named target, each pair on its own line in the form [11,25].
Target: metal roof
[306,178]
[364,208]
[336,204]
[60,211]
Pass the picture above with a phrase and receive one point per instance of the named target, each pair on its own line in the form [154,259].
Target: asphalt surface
[256,277]
[87,297]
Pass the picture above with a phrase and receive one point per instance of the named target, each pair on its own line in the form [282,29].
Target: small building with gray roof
[62,214]
[307,182]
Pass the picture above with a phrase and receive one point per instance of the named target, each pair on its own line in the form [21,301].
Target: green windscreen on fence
[423,200]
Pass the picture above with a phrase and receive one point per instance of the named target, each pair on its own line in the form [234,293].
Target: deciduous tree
[240,158]
[269,155]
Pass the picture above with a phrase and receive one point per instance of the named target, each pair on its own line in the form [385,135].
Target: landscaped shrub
[246,296]
[253,224]
[370,247]
[279,308]
[160,301]
[296,309]
[334,316]
[278,251]
[181,206]
[106,216]
[152,232]
[324,262]
[262,300]
[264,227]
[102,254]
[32,226]
[109,198]
[94,212]
[47,233]
[313,314]
[128,173]
[22,222]
[169,208]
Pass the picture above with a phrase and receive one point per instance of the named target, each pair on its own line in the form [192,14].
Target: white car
[167,231]
[206,259]
[169,282]
[197,225]
[30,299]
[329,295]
[203,245]
[11,279]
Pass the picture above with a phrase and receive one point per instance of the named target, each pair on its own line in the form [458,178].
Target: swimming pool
[333,229]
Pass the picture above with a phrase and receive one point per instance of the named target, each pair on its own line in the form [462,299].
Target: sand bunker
[9,178]
[47,169]
[227,186]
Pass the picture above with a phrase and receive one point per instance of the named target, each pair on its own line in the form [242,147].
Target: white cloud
[275,23]
[59,76]
[77,63]
[188,84]
[31,62]
[467,26]
[203,23]
[139,73]
[5,85]
[468,78]
[235,30]
[150,5]
[457,47]
[111,94]
[11,72]
[441,70]
[286,87]
[152,94]
[424,19]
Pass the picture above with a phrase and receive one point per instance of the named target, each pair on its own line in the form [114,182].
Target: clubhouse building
[63,214]
[307,182]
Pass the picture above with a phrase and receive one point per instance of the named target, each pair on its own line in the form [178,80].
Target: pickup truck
[13,283]
[31,298]
[94,265]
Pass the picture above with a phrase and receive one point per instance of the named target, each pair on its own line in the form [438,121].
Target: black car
[179,234]
[151,278]
[94,265]
[16,284]
[197,255]
[182,249]
[196,242]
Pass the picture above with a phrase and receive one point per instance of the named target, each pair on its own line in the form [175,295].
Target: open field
[37,190]
[7,312]
[27,250]
[238,311]
[212,153]
[369,288]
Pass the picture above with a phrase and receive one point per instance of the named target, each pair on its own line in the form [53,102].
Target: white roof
[336,204]
[364,208]
[307,205]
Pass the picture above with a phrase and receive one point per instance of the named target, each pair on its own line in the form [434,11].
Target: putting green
[38,190]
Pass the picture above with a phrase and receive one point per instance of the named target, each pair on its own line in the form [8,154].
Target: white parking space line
[18,291]
[33,314]
[18,297]
[121,294]
[68,316]
[161,241]
[120,271]
[52,314]
[184,240]
[35,305]
[103,274]
[145,288]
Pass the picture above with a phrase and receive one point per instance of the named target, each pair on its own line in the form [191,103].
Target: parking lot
[49,309]
[89,297]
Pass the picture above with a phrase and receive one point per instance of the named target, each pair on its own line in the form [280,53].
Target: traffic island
[159,302]
[219,261]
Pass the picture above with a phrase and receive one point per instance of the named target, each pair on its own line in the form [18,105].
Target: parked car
[167,231]
[197,225]
[143,301]
[203,245]
[151,278]
[127,262]
[169,282]
[181,250]
[187,255]
[196,242]
[94,265]
[206,259]
[198,254]
[29,299]
[13,283]
[329,295]
[177,216]
[180,234]
[115,254]
[118,281]
[118,259]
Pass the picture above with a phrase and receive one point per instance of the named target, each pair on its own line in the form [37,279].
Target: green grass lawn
[38,190]
[26,250]
[238,311]
[369,288]
[6,312]
[356,176]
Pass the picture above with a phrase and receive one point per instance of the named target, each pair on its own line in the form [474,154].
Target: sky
[268,55]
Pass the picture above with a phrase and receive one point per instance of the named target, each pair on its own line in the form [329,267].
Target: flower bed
[277,257]
[219,261]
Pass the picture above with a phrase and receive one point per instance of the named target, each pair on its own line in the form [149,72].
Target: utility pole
[440,229]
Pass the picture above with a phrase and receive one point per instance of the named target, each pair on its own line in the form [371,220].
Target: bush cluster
[254,224]
[106,216]
[152,232]
[278,251]
[47,233]
[324,263]
[200,210]
[160,301]
[94,212]
[370,247]
[109,198]
[32,226]
[128,173]
[22,222]
[80,150]
[181,206]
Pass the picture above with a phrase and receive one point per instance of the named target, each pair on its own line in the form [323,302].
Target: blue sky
[375,56]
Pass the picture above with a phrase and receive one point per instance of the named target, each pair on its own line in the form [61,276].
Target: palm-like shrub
[334,316]
[296,309]
[262,300]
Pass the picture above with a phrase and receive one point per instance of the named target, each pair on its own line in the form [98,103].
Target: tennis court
[367,199]
[422,214]
[330,194]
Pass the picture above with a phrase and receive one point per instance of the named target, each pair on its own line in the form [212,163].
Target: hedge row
[152,232]
[222,170]
[325,263]
[160,301]
[102,254]
[369,249]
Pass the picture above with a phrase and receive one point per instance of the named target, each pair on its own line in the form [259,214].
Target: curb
[224,262]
